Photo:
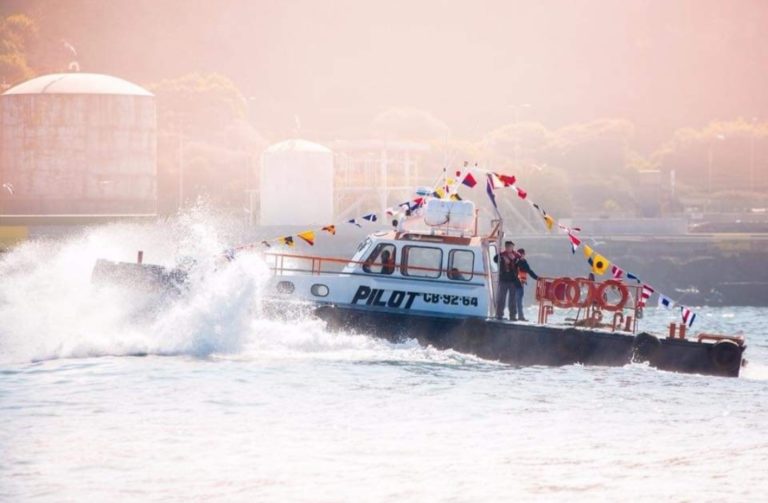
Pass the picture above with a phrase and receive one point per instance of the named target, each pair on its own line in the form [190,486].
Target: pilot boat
[434,277]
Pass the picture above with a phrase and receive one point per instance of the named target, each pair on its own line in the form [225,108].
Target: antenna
[445,179]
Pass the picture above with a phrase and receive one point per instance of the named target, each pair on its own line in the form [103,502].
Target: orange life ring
[586,301]
[623,291]
[569,293]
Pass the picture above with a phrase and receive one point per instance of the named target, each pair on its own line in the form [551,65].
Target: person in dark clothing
[507,261]
[456,275]
[523,271]
[387,262]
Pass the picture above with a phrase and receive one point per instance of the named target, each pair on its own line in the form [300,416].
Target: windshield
[362,247]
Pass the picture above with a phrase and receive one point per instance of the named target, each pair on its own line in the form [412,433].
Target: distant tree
[597,148]
[719,157]
[200,104]
[527,143]
[17,35]
[549,187]
[205,138]
[409,124]
[589,166]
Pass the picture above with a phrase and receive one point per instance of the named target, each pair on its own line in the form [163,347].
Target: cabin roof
[422,237]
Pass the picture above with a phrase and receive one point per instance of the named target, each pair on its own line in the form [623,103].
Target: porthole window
[285,287]
[319,290]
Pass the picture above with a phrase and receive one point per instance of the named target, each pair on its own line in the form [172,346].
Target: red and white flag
[688,316]
[506,180]
[496,183]
[617,272]
[645,294]
[575,242]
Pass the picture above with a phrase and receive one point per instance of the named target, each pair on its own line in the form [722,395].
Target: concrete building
[78,144]
[296,183]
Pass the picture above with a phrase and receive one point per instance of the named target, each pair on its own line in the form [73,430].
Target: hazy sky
[660,63]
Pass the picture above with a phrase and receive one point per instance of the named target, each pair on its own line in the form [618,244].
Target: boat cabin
[434,263]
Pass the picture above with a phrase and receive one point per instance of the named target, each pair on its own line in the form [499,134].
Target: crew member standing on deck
[523,270]
[507,261]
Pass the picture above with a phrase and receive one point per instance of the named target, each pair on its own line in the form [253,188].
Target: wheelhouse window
[461,265]
[381,260]
[421,262]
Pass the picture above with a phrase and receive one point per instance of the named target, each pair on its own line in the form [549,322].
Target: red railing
[318,265]
[590,298]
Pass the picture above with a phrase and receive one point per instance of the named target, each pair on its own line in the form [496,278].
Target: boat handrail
[590,308]
[317,265]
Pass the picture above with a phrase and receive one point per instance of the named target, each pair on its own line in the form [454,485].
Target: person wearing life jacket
[523,270]
[507,261]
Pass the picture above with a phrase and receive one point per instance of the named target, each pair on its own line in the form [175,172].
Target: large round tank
[78,143]
[296,184]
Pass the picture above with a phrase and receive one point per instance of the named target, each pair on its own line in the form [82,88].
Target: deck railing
[590,307]
[282,263]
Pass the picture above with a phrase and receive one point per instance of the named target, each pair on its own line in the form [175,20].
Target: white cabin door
[492,268]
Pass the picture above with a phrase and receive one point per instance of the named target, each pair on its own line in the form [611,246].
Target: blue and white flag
[632,276]
[371,217]
[353,222]
[489,190]
[665,301]
[688,316]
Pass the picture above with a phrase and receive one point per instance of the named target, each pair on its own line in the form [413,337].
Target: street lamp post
[752,156]
[710,155]
[710,162]
[5,187]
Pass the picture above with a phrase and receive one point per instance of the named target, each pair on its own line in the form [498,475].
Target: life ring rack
[565,293]
[602,300]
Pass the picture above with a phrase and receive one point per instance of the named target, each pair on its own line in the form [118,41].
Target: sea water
[110,395]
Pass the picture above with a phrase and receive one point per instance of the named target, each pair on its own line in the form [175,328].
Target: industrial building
[303,183]
[77,144]
[296,184]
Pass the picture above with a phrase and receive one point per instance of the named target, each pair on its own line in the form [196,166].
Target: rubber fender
[726,355]
[645,346]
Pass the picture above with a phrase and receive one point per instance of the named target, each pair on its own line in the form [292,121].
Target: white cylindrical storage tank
[78,143]
[296,184]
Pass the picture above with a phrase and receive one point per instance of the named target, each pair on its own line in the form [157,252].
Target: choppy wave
[50,309]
